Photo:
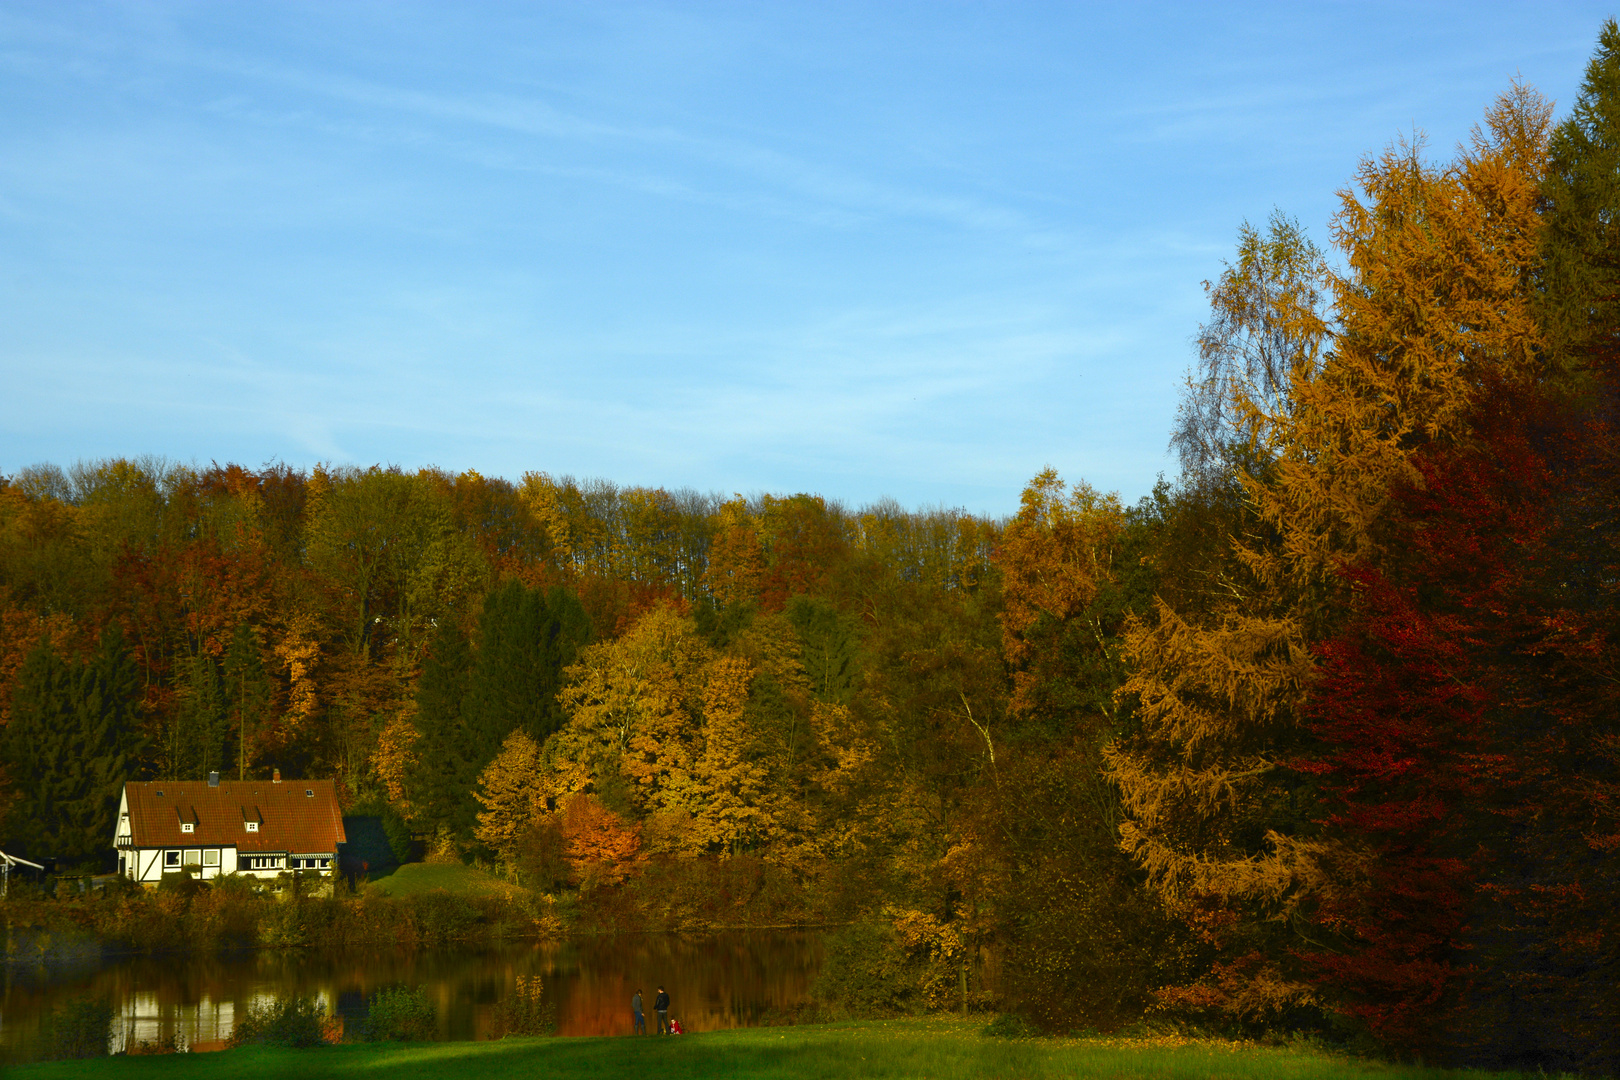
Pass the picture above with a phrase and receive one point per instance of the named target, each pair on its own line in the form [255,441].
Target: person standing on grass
[661,1007]
[638,1020]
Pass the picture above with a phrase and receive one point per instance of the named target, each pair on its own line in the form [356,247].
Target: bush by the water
[295,1022]
[867,972]
[78,1028]
[233,912]
[696,895]
[400,1014]
[911,962]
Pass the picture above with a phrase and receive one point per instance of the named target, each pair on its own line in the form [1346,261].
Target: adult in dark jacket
[661,1007]
[638,1023]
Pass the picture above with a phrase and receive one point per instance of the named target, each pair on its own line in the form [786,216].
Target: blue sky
[864,250]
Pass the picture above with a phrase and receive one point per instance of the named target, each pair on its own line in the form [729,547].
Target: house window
[309,793]
[252,826]
[211,857]
[264,862]
[326,863]
[187,826]
[193,857]
[171,858]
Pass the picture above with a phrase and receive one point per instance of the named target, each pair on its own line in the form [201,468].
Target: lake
[720,981]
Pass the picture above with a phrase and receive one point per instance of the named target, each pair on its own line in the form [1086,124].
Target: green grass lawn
[889,1049]
[452,877]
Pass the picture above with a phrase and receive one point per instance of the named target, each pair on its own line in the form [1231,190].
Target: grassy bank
[900,1048]
[414,878]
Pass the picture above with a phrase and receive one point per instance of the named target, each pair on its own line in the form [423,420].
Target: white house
[256,827]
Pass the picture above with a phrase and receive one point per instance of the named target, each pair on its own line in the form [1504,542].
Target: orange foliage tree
[597,841]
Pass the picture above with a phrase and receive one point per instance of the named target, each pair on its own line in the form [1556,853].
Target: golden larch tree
[1436,302]
[512,794]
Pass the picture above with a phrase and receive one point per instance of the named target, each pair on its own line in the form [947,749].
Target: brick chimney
[213,779]
[275,777]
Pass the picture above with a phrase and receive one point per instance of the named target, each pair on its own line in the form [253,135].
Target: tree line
[1322,734]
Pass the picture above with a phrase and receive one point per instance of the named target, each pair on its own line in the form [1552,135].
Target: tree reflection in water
[725,980]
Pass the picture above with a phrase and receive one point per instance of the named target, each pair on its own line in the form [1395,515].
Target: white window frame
[252,826]
[193,857]
[171,858]
[186,826]
[211,857]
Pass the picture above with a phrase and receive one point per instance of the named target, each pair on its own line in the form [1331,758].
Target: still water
[726,980]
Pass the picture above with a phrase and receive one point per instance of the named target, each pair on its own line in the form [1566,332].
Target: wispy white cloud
[447,122]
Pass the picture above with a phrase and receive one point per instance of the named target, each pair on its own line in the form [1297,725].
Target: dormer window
[252,826]
[186,826]
[309,793]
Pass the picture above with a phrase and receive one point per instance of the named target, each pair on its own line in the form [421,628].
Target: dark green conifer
[247,688]
[468,703]
[1581,237]
[200,732]
[73,741]
[525,640]
[37,742]
[827,649]
[441,782]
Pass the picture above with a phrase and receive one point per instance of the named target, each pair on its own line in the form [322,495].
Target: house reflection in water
[727,980]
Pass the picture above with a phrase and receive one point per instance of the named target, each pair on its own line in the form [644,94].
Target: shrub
[1089,950]
[284,925]
[541,857]
[226,914]
[235,913]
[670,893]
[1010,1026]
[936,950]
[444,849]
[182,883]
[526,1011]
[399,1014]
[867,972]
[442,917]
[78,1028]
[293,1021]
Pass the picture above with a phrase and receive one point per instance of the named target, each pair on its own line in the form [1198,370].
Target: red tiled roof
[294,815]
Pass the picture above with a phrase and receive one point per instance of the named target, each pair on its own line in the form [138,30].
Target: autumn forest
[1322,734]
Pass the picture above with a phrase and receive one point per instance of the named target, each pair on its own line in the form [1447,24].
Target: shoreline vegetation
[417,905]
[927,1047]
[1322,738]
